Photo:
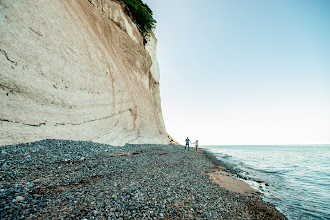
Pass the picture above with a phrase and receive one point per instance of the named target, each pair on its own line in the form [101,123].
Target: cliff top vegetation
[141,15]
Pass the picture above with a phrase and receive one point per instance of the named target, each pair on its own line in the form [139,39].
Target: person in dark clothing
[187,143]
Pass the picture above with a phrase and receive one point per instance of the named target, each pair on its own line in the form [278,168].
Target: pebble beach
[63,179]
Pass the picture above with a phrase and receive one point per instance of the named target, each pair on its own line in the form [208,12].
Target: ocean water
[295,178]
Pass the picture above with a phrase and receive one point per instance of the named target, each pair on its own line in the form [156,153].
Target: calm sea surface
[295,178]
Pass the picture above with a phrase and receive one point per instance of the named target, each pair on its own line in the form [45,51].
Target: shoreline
[226,176]
[81,179]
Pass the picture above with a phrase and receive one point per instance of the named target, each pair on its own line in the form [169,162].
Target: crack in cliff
[36,32]
[11,90]
[74,124]
[16,122]
[6,55]
[98,119]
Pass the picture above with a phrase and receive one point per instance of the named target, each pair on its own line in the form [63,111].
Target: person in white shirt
[196,145]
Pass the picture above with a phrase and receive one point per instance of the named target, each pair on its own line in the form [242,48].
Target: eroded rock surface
[76,70]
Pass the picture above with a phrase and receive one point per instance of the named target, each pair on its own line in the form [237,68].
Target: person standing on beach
[187,143]
[196,145]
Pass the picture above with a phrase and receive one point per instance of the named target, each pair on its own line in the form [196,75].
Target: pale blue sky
[245,71]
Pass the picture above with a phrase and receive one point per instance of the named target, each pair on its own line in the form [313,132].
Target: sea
[295,178]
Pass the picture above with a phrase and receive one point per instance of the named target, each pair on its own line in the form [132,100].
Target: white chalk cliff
[77,70]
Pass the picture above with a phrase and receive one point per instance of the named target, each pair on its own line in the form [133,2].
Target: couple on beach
[187,144]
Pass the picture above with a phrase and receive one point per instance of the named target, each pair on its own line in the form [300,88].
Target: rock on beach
[60,179]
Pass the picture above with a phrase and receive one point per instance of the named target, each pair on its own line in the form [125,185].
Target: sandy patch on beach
[227,181]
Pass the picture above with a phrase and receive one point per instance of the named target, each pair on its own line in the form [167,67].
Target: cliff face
[77,70]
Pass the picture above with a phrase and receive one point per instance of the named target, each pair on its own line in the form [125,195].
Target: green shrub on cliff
[141,15]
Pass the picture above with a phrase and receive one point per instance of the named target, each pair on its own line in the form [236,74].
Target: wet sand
[227,181]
